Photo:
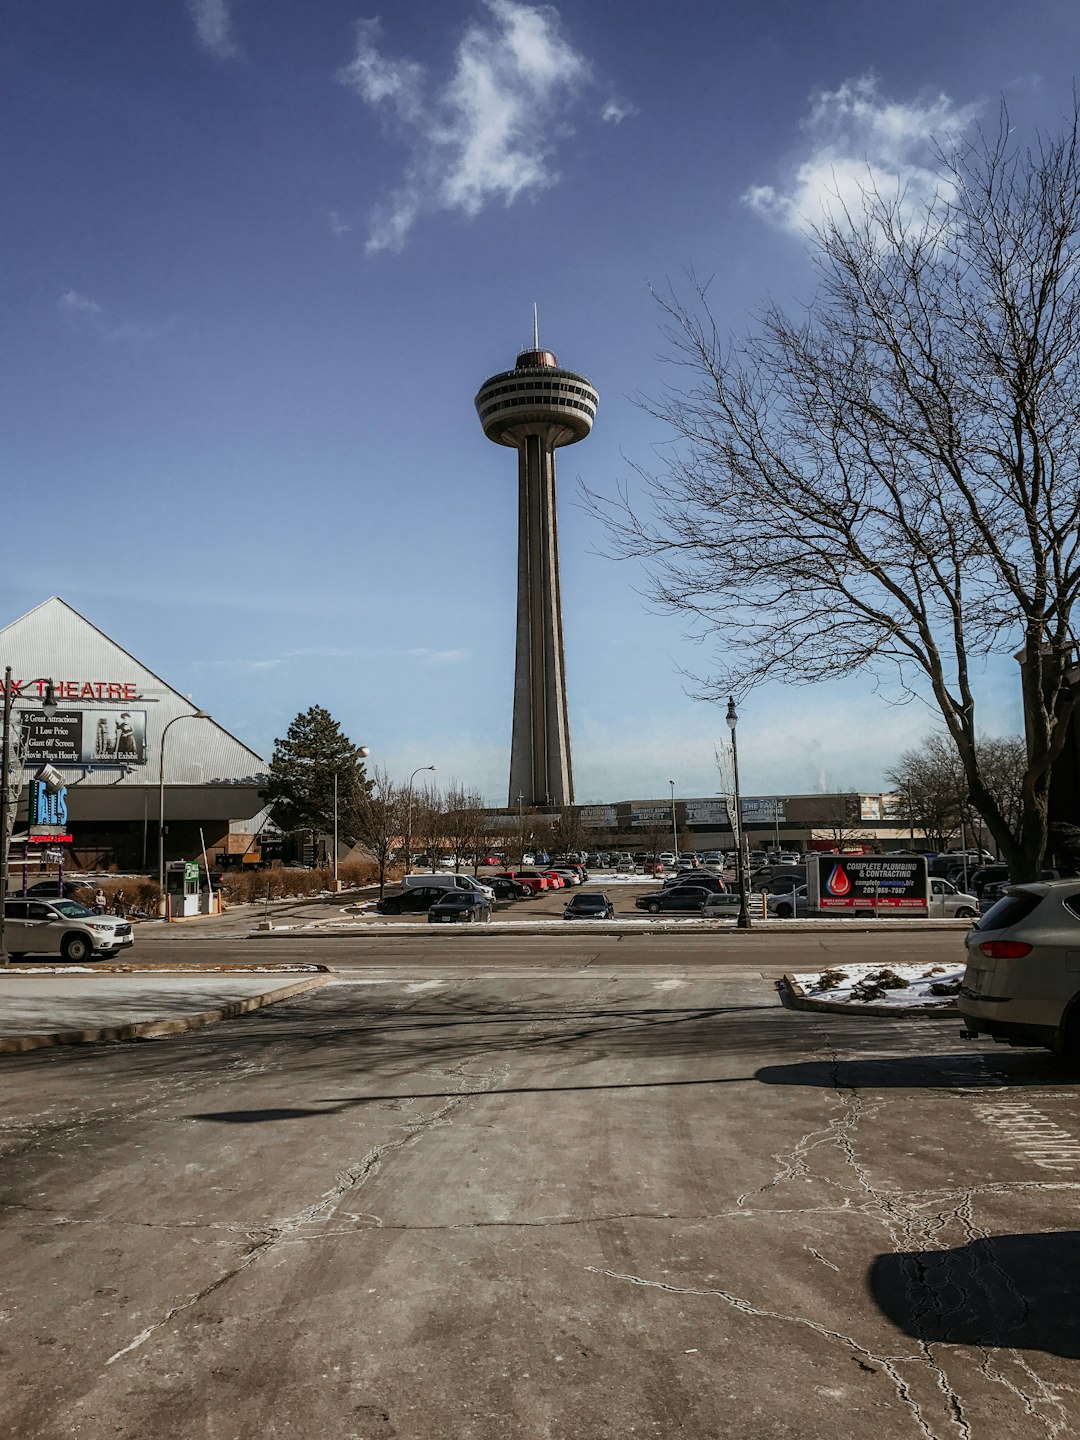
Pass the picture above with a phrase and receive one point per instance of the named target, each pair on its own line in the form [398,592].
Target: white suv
[48,927]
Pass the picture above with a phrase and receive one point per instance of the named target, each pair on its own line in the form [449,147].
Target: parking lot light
[743,922]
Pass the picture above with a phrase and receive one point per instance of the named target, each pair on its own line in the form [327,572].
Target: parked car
[589,905]
[536,882]
[62,927]
[459,907]
[455,881]
[509,889]
[673,897]
[1022,980]
[713,883]
[416,897]
[568,877]
[948,903]
[725,906]
[72,889]
[793,903]
[777,880]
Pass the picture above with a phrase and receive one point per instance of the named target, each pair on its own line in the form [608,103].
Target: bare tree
[837,814]
[890,482]
[377,819]
[427,819]
[930,784]
[463,822]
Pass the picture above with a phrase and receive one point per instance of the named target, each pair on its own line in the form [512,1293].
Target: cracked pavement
[532,1203]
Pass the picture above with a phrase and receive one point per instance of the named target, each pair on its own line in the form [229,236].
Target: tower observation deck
[535,408]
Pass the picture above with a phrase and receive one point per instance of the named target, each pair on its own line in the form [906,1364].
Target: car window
[15,910]
[1009,910]
[39,911]
[71,908]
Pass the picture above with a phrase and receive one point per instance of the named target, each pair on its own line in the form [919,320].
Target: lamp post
[193,715]
[363,752]
[7,818]
[408,826]
[743,922]
[674,827]
[521,830]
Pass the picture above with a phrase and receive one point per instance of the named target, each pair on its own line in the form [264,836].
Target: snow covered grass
[899,985]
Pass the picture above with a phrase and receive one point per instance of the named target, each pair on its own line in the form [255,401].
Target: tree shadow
[962,1070]
[1015,1291]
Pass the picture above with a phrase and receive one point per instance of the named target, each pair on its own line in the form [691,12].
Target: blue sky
[259,257]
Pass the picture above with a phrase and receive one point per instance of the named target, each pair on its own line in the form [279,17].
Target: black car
[51,889]
[589,905]
[417,897]
[701,879]
[460,906]
[675,897]
[507,889]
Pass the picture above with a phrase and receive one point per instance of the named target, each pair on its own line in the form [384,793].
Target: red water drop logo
[838,883]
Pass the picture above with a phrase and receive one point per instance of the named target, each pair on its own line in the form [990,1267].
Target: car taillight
[1005,949]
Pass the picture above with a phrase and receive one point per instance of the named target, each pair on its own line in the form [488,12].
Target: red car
[531,878]
[554,879]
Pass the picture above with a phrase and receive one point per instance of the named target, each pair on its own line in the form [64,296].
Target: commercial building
[116,722]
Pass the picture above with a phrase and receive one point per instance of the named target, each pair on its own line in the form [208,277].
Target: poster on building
[651,815]
[598,817]
[870,807]
[763,810]
[711,813]
[98,737]
[840,883]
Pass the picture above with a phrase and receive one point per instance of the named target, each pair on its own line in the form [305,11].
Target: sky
[258,258]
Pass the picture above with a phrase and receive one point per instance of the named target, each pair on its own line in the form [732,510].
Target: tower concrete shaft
[536,407]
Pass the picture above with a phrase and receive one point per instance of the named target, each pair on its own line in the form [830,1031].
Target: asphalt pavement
[583,1201]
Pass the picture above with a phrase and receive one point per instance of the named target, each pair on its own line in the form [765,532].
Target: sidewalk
[69,1006]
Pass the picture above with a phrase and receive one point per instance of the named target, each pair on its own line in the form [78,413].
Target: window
[1009,910]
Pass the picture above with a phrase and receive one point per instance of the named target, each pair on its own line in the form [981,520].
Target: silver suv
[48,927]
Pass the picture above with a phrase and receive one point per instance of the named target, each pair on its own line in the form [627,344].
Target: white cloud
[859,139]
[75,303]
[487,134]
[213,26]
[616,111]
[338,226]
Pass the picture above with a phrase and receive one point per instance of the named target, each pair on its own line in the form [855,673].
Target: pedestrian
[99,901]
[118,904]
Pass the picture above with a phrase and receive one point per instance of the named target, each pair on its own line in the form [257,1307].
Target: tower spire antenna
[536,329]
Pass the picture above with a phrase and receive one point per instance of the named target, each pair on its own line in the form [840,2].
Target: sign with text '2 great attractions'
[841,884]
[84,737]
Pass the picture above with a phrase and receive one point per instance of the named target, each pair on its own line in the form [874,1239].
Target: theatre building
[117,729]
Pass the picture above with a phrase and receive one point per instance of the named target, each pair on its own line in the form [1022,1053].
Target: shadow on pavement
[1015,1291]
[963,1070]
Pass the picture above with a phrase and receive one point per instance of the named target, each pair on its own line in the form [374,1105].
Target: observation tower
[535,408]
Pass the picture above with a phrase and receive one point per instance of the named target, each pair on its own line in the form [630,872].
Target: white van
[449,882]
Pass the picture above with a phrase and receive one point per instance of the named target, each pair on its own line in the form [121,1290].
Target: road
[529,1199]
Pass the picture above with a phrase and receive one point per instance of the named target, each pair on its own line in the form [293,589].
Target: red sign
[76,689]
[49,839]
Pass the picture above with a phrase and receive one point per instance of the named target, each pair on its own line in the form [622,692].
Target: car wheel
[965,913]
[783,912]
[654,908]
[76,948]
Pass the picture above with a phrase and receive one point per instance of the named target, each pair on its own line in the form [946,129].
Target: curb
[153,1029]
[795,997]
[719,928]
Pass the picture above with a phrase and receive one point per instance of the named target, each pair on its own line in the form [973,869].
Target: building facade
[115,722]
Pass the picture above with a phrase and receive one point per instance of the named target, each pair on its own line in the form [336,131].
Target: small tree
[463,823]
[377,820]
[300,787]
[428,825]
[837,813]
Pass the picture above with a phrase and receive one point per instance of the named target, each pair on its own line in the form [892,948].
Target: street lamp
[674,827]
[48,705]
[743,922]
[192,715]
[408,828]
[363,752]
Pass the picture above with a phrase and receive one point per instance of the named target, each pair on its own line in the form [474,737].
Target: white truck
[444,881]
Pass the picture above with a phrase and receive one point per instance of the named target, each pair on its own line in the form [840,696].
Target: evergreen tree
[301,784]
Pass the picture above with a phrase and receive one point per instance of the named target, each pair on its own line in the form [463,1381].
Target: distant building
[106,741]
